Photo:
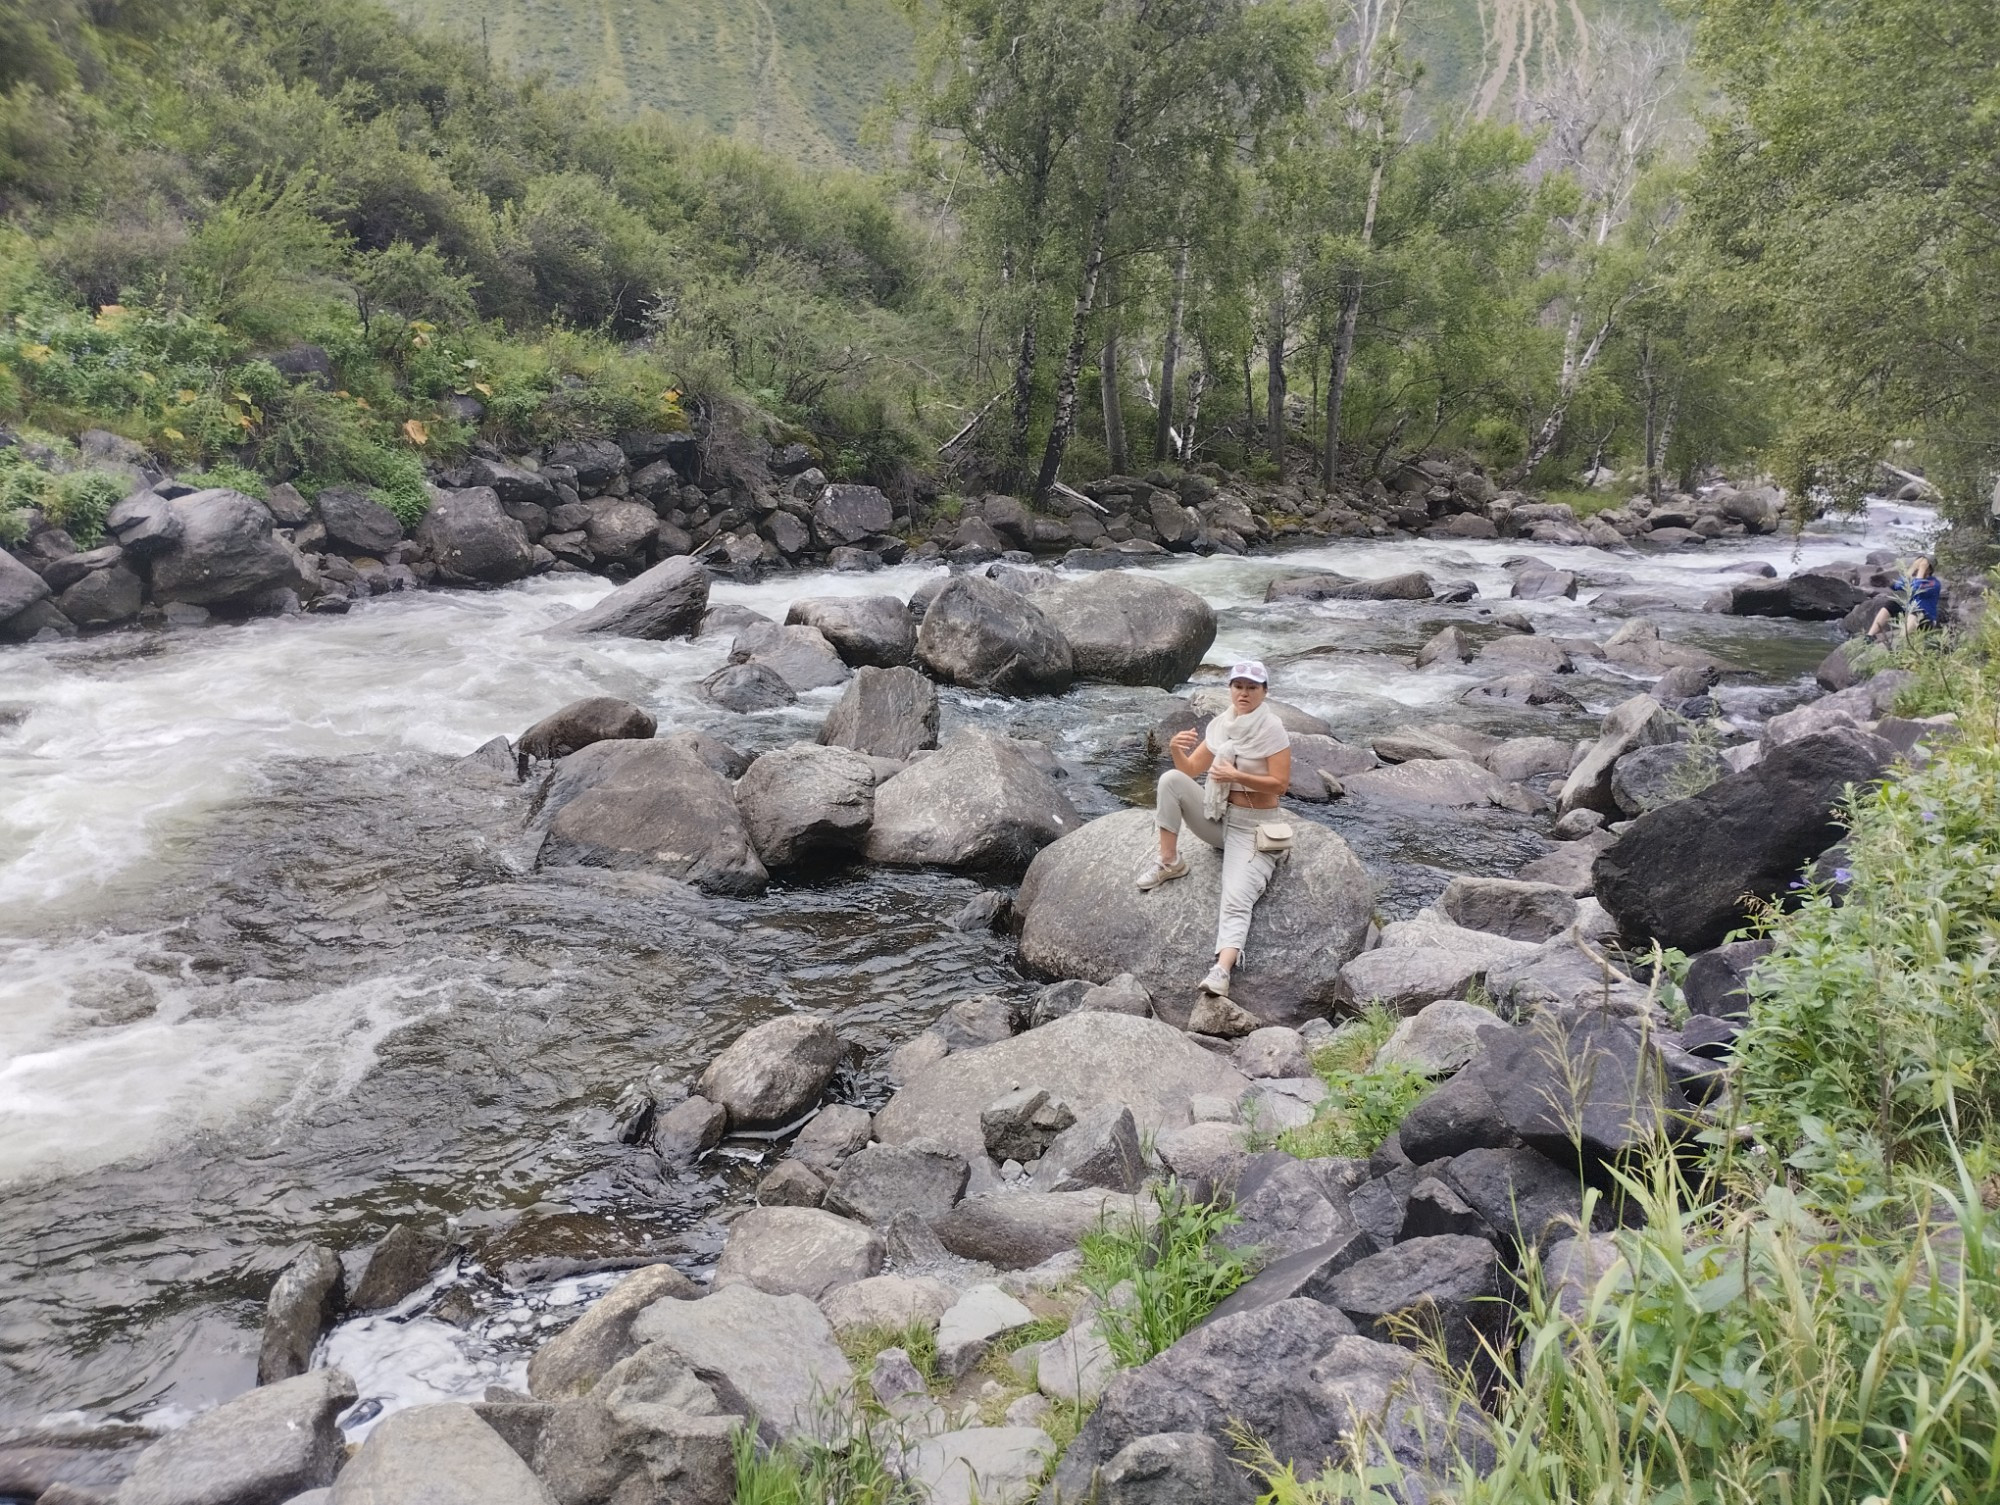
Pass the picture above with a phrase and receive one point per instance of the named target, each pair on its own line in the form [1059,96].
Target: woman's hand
[1185,742]
[1225,772]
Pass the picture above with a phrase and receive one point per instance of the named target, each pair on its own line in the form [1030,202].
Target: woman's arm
[1191,753]
[1276,779]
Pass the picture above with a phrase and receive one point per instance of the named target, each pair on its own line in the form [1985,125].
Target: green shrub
[230,477]
[854,1472]
[1363,1103]
[1178,1272]
[79,502]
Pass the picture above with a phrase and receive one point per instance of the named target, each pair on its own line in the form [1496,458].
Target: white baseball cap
[1251,670]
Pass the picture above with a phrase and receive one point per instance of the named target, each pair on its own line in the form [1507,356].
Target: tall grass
[1177,1270]
[1363,1102]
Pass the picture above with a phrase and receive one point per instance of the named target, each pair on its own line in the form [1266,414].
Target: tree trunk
[1274,383]
[1652,413]
[1549,435]
[1163,430]
[1024,405]
[1063,424]
[1107,381]
[1197,389]
[1350,317]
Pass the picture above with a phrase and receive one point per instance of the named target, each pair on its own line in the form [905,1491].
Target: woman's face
[1921,570]
[1246,695]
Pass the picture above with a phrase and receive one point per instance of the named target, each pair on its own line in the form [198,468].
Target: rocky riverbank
[952,1196]
[174,552]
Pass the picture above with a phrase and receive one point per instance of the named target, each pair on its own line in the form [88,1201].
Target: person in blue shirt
[1922,614]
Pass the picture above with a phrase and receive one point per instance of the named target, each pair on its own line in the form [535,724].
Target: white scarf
[1258,734]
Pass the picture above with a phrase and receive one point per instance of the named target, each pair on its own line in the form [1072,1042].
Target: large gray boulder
[1439,1038]
[1016,1230]
[1175,1468]
[573,1361]
[885,1181]
[1458,783]
[665,602]
[224,551]
[259,1449]
[1083,916]
[807,803]
[438,1455]
[1130,629]
[1085,1059]
[797,1251]
[1638,722]
[847,515]
[652,805]
[771,1357]
[302,1305]
[800,656]
[356,523]
[979,1465]
[1425,959]
[20,587]
[1505,906]
[886,713]
[1294,1377]
[773,1073]
[582,723]
[977,802]
[1811,598]
[472,539]
[983,636]
[1447,1287]
[1685,873]
[876,631]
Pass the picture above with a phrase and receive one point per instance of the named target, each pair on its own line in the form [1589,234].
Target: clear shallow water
[272,970]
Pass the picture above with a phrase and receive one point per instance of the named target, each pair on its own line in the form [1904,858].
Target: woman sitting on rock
[1926,596]
[1247,757]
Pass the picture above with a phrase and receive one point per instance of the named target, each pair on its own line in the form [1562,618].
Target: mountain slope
[796,76]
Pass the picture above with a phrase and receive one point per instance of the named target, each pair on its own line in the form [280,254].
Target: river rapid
[274,970]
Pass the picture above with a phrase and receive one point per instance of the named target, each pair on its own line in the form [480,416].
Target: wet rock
[972,1322]
[791,1184]
[1638,722]
[471,539]
[887,1303]
[1173,1468]
[1022,1125]
[1685,682]
[834,1133]
[847,515]
[1130,629]
[1016,1230]
[1502,906]
[356,523]
[400,1264]
[745,688]
[801,656]
[667,601]
[1439,1038]
[1450,646]
[1456,783]
[103,597]
[1414,745]
[1809,598]
[802,1251]
[223,551]
[1083,917]
[441,1455]
[876,631]
[1515,652]
[1101,1149]
[886,713]
[1413,585]
[1717,982]
[1680,874]
[980,1466]
[1571,865]
[977,803]
[1523,690]
[770,1357]
[649,805]
[883,1180]
[1535,581]
[807,804]
[261,1448]
[729,618]
[145,525]
[1085,1059]
[599,718]
[689,1130]
[1273,1051]
[302,1305]
[1319,764]
[1448,1285]
[1293,1376]
[573,1361]
[772,1074]
[983,636]
[985,911]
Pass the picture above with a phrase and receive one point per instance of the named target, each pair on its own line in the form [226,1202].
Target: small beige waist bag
[1274,837]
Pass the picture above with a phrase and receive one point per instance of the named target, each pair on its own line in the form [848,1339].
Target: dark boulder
[510,483]
[225,552]
[650,805]
[1717,982]
[1522,1195]
[598,718]
[877,631]
[747,687]
[303,1302]
[983,636]
[596,461]
[845,516]
[470,537]
[104,596]
[356,523]
[1810,598]
[801,656]
[20,587]
[1411,586]
[1684,874]
[1446,1287]
[145,524]
[667,601]
[1307,1273]
[1175,1468]
[621,531]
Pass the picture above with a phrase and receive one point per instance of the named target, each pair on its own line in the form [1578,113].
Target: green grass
[1177,1270]
[1363,1103]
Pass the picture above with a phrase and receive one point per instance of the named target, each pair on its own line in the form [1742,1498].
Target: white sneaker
[1217,981]
[1162,872]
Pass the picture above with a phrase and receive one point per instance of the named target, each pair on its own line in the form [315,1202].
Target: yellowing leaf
[421,340]
[149,379]
[480,386]
[111,315]
[242,397]
[362,402]
[243,422]
[343,392]
[415,432]
[187,394]
[173,434]
[37,353]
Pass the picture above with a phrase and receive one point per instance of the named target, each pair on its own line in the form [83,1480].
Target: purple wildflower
[1843,875]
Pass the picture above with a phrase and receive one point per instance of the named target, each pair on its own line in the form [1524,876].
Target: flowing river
[273,969]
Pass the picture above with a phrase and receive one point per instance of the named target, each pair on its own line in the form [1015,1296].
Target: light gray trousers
[1246,872]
